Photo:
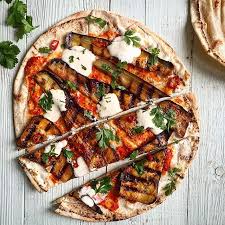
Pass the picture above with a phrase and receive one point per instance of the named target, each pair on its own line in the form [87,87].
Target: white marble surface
[200,200]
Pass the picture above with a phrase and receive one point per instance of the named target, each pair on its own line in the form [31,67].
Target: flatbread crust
[208,21]
[77,23]
[187,148]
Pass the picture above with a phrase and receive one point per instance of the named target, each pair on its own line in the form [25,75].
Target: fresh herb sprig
[154,56]
[102,185]
[130,38]
[166,120]
[99,21]
[8,54]
[171,186]
[45,156]
[88,114]
[18,18]
[100,90]
[133,155]
[46,101]
[104,136]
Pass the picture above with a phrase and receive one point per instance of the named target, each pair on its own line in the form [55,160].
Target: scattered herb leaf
[100,90]
[154,56]
[8,54]
[139,166]
[68,154]
[88,114]
[102,185]
[45,156]
[71,59]
[99,21]
[104,136]
[130,38]
[83,67]
[137,129]
[171,186]
[134,154]
[163,120]
[44,50]
[71,85]
[46,101]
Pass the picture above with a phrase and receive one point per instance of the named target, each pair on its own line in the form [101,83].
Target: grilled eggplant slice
[99,47]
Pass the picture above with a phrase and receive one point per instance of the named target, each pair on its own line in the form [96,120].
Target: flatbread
[186,151]
[77,23]
[208,21]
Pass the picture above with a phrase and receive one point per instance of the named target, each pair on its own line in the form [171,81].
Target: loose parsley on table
[130,38]
[8,54]
[154,56]
[171,186]
[159,118]
[102,185]
[71,85]
[45,156]
[137,129]
[104,136]
[46,101]
[18,18]
[99,21]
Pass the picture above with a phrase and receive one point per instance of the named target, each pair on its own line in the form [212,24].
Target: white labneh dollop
[58,147]
[109,105]
[59,99]
[145,119]
[79,59]
[124,52]
[82,168]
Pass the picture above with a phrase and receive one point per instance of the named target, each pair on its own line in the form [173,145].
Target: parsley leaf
[154,56]
[8,54]
[68,154]
[46,101]
[102,185]
[44,50]
[83,67]
[134,154]
[163,120]
[104,136]
[130,38]
[139,166]
[171,186]
[100,90]
[18,19]
[99,21]
[137,129]
[71,85]
[45,156]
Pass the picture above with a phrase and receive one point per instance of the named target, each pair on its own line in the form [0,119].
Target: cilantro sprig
[8,54]
[88,114]
[99,21]
[102,185]
[130,38]
[171,186]
[104,136]
[45,156]
[18,18]
[46,101]
[166,120]
[68,154]
[154,56]
[133,155]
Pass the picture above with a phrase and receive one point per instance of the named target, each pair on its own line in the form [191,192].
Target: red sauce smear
[167,160]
